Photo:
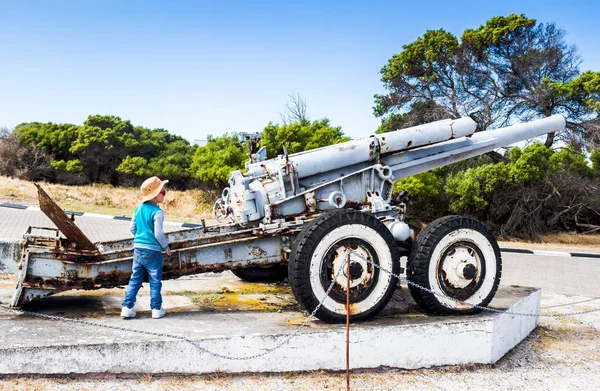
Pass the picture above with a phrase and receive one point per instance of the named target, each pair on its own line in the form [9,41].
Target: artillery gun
[307,214]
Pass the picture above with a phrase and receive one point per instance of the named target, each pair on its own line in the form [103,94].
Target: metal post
[348,322]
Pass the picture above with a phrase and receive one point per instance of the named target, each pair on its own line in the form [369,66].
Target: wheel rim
[478,251]
[363,275]
[365,239]
[461,270]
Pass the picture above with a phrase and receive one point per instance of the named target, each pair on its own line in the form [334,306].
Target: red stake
[348,322]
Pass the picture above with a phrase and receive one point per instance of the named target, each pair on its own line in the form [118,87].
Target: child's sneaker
[127,312]
[157,314]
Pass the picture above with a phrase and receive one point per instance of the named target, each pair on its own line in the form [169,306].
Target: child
[148,243]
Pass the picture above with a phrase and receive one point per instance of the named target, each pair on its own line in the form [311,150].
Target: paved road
[14,223]
[577,276]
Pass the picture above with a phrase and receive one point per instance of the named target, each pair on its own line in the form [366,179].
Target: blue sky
[197,67]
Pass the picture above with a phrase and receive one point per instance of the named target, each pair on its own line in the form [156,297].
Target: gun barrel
[427,134]
[346,154]
[433,156]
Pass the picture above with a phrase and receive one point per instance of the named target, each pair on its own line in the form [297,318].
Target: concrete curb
[549,253]
[100,216]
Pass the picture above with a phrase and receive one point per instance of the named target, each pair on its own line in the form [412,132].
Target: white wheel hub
[357,258]
[455,266]
[461,266]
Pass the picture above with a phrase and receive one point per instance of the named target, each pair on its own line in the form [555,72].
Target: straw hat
[151,187]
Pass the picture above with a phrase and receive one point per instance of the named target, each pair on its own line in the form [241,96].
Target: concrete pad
[10,254]
[400,337]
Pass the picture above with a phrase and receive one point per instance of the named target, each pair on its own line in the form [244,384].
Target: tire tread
[420,257]
[300,258]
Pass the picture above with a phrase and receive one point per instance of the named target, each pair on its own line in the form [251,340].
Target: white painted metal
[399,229]
[429,157]
[454,266]
[355,231]
[426,134]
[333,157]
[281,181]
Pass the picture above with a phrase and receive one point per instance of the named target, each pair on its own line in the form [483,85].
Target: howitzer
[305,215]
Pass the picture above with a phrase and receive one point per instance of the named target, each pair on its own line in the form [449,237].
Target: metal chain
[403,279]
[312,315]
[181,338]
[572,303]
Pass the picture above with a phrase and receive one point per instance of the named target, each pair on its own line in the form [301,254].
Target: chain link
[303,324]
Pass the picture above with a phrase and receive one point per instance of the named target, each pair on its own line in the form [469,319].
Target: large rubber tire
[457,258]
[262,274]
[319,253]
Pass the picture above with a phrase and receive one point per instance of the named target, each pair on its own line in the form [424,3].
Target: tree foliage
[509,69]
[300,136]
[21,159]
[214,161]
[107,149]
[538,190]
[221,155]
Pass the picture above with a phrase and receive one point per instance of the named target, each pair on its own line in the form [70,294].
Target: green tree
[509,69]
[54,139]
[595,159]
[174,161]
[108,149]
[213,162]
[23,160]
[421,186]
[134,165]
[300,136]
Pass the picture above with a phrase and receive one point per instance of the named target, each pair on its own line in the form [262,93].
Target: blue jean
[145,261]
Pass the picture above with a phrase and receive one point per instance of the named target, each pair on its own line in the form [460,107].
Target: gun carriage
[303,215]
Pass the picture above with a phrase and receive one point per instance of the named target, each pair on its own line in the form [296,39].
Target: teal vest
[144,225]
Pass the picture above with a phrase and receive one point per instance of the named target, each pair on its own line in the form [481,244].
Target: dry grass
[573,238]
[189,205]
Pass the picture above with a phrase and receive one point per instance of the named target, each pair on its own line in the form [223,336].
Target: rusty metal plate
[62,221]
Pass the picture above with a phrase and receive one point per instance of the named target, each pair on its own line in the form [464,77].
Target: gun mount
[303,215]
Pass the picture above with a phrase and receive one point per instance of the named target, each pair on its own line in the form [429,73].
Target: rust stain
[256,251]
[310,201]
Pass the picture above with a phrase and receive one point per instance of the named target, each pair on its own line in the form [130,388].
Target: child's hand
[169,252]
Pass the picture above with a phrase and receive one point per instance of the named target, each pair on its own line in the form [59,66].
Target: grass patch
[567,238]
[572,238]
[207,298]
[182,206]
